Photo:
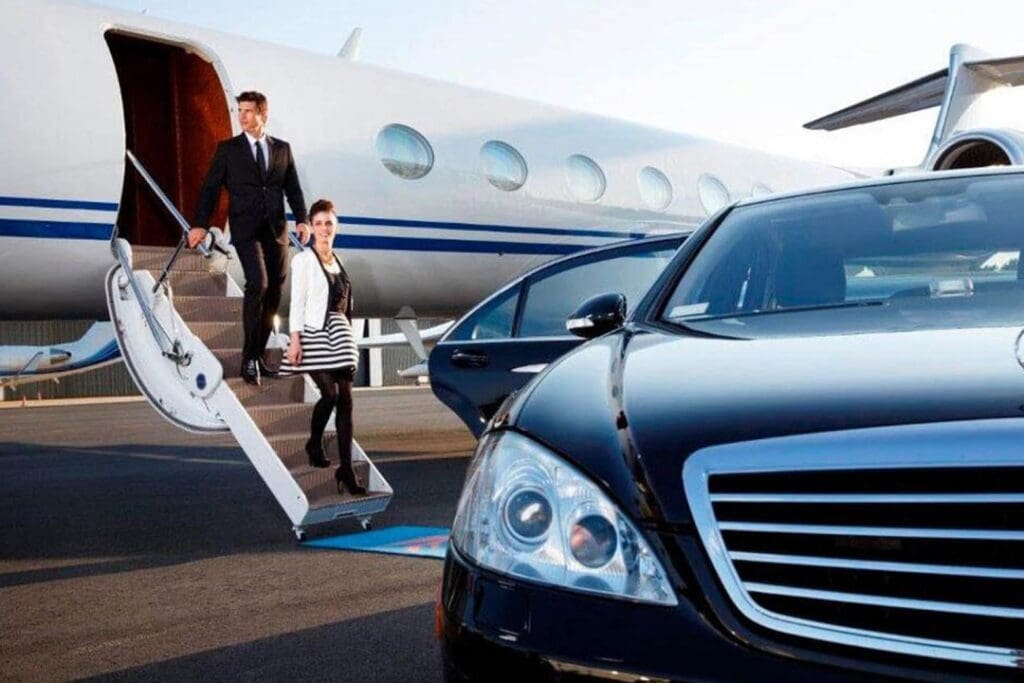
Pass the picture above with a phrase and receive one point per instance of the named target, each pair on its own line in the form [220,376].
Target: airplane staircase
[201,311]
[178,324]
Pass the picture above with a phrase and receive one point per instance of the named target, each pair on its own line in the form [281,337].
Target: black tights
[335,394]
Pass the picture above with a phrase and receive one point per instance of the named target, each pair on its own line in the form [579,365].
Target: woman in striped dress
[322,343]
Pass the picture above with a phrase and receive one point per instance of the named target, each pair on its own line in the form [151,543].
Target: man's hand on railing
[195,236]
[304,233]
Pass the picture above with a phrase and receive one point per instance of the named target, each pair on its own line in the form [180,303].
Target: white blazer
[309,294]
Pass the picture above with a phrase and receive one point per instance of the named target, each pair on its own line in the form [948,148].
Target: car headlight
[526,512]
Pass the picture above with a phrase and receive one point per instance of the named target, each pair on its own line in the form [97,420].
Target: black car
[801,457]
[504,341]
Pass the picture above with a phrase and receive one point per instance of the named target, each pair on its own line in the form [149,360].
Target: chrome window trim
[977,444]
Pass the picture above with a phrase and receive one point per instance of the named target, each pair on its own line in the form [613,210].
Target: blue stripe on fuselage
[58,203]
[99,231]
[16,227]
[87,205]
[475,227]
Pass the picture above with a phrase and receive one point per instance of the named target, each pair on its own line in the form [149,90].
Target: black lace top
[339,299]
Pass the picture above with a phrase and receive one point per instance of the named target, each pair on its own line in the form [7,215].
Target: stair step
[219,334]
[321,489]
[192,283]
[291,448]
[278,391]
[282,419]
[208,308]
[231,360]
[155,258]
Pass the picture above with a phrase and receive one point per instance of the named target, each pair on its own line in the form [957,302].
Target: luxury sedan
[798,457]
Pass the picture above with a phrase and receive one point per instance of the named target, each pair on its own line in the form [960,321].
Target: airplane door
[175,111]
[501,345]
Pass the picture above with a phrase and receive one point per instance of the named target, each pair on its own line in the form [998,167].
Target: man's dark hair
[257,98]
[321,205]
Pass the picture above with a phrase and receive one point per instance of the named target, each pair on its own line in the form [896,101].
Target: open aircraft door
[179,329]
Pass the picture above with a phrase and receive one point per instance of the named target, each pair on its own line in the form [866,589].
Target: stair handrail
[170,348]
[175,214]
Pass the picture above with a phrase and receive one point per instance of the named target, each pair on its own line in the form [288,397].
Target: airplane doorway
[175,112]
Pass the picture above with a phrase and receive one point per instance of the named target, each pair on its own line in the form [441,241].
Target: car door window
[551,298]
[493,320]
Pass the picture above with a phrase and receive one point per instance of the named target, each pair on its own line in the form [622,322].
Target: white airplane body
[100,82]
[444,193]
[438,243]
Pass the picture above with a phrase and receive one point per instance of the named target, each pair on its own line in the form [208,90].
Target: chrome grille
[905,539]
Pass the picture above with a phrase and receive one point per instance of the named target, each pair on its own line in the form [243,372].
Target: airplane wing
[919,94]
[431,334]
[910,97]
[27,364]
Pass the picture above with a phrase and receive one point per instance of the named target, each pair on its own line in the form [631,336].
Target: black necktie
[261,161]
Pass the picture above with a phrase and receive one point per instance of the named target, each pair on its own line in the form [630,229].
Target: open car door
[506,340]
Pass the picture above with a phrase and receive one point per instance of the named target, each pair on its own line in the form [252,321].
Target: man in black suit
[258,172]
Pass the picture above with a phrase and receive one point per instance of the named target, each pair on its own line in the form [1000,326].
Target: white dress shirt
[262,142]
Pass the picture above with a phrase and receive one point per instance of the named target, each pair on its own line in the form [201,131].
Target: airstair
[178,324]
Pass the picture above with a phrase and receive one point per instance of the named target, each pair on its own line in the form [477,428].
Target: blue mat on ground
[418,541]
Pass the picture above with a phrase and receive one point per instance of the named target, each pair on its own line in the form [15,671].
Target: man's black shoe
[251,371]
[266,371]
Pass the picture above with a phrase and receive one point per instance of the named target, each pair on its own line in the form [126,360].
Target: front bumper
[497,629]
[494,628]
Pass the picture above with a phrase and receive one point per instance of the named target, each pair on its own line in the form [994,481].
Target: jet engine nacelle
[977,148]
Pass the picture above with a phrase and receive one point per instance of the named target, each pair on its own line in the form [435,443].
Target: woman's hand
[294,350]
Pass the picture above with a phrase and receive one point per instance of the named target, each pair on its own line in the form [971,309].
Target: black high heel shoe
[317,457]
[350,482]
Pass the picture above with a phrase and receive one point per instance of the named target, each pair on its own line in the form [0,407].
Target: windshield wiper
[794,309]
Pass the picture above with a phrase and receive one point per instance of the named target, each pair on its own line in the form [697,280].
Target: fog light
[593,541]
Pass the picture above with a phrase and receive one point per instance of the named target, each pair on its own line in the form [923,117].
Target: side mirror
[597,315]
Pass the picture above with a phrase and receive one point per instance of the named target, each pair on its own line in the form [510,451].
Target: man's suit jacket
[253,198]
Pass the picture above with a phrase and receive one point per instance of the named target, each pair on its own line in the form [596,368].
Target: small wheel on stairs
[300,534]
[366,523]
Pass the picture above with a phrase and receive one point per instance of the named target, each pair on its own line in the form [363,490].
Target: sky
[742,71]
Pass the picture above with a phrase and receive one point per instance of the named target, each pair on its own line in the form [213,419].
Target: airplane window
[551,300]
[586,179]
[404,152]
[504,167]
[713,193]
[492,321]
[655,188]
[760,190]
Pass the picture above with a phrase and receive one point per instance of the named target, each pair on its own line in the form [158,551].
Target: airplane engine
[977,148]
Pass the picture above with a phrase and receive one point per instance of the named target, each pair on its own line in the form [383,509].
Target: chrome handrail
[170,348]
[173,210]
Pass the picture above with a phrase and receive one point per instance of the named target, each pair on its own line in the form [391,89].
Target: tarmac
[131,550]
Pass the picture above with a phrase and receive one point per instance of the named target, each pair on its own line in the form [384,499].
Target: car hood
[630,407]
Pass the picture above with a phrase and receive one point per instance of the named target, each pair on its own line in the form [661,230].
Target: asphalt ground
[130,550]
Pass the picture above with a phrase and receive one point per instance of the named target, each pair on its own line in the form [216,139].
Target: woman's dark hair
[321,205]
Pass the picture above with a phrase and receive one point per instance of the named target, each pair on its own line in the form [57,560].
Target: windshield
[935,253]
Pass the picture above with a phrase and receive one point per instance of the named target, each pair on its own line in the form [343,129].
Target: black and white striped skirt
[332,348]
